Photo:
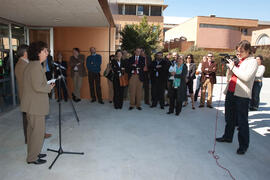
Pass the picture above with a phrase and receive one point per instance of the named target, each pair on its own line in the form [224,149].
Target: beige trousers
[209,86]
[35,136]
[135,91]
[77,83]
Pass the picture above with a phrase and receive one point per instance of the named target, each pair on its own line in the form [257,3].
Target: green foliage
[142,35]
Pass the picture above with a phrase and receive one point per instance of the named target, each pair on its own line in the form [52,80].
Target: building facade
[132,12]
[214,32]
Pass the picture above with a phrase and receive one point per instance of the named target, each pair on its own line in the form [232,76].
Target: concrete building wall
[66,38]
[161,2]
[218,38]
[187,29]
[257,34]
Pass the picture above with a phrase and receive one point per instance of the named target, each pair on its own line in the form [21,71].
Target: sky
[247,9]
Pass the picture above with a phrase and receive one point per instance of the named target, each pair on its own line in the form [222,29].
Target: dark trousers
[24,117]
[236,113]
[146,87]
[94,80]
[198,87]
[255,101]
[63,89]
[175,103]
[157,92]
[118,94]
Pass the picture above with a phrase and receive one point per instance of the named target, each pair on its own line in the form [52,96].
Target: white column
[149,10]
[51,42]
[11,65]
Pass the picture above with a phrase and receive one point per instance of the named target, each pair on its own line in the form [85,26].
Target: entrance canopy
[82,13]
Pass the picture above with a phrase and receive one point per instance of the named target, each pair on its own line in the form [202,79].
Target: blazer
[81,69]
[35,98]
[161,72]
[209,72]
[140,66]
[64,71]
[245,77]
[191,72]
[19,70]
[117,69]
[93,63]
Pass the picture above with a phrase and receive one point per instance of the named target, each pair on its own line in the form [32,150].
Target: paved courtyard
[139,145]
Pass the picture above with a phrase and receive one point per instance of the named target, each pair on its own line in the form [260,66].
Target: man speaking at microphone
[35,101]
[240,77]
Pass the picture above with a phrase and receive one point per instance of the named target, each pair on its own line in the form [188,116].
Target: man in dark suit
[146,80]
[159,75]
[135,65]
[49,69]
[208,80]
[61,82]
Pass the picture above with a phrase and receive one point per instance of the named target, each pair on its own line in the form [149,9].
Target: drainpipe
[109,40]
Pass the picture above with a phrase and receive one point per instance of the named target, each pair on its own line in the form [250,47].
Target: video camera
[226,57]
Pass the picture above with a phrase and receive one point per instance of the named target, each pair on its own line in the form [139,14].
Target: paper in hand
[51,81]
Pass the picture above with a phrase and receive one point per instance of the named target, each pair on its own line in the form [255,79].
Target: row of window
[244,31]
[139,10]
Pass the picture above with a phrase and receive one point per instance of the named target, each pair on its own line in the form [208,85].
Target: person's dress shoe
[209,106]
[177,113]
[139,108]
[201,106]
[46,136]
[170,112]
[130,108]
[241,151]
[38,161]
[93,100]
[222,139]
[253,109]
[42,156]
[152,106]
[110,101]
[100,102]
[162,107]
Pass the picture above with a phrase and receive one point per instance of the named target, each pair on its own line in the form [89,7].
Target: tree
[142,35]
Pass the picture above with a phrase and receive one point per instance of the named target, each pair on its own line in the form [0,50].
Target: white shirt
[26,60]
[188,65]
[259,73]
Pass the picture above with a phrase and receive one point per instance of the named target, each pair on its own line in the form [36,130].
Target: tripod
[60,151]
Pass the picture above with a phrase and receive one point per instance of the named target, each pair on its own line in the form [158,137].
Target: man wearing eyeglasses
[208,80]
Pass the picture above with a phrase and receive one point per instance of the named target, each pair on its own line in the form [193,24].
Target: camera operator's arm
[229,74]
[247,73]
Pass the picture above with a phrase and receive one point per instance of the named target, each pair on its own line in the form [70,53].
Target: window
[218,26]
[120,8]
[143,10]
[118,30]
[156,10]
[244,31]
[263,39]
[130,10]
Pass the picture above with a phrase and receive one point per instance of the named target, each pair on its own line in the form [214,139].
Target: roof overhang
[79,13]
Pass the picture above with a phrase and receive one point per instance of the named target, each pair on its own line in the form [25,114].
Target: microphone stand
[60,151]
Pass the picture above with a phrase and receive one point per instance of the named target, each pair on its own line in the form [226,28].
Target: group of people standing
[172,74]
[137,74]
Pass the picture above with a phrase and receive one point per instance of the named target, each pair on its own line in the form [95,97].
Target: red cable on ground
[213,152]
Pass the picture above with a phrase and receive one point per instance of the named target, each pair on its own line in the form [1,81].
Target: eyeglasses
[209,56]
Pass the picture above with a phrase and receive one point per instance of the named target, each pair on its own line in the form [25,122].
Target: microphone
[59,65]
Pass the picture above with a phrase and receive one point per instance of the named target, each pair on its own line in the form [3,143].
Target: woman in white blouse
[255,101]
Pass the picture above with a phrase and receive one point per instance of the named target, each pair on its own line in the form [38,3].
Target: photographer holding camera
[240,77]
